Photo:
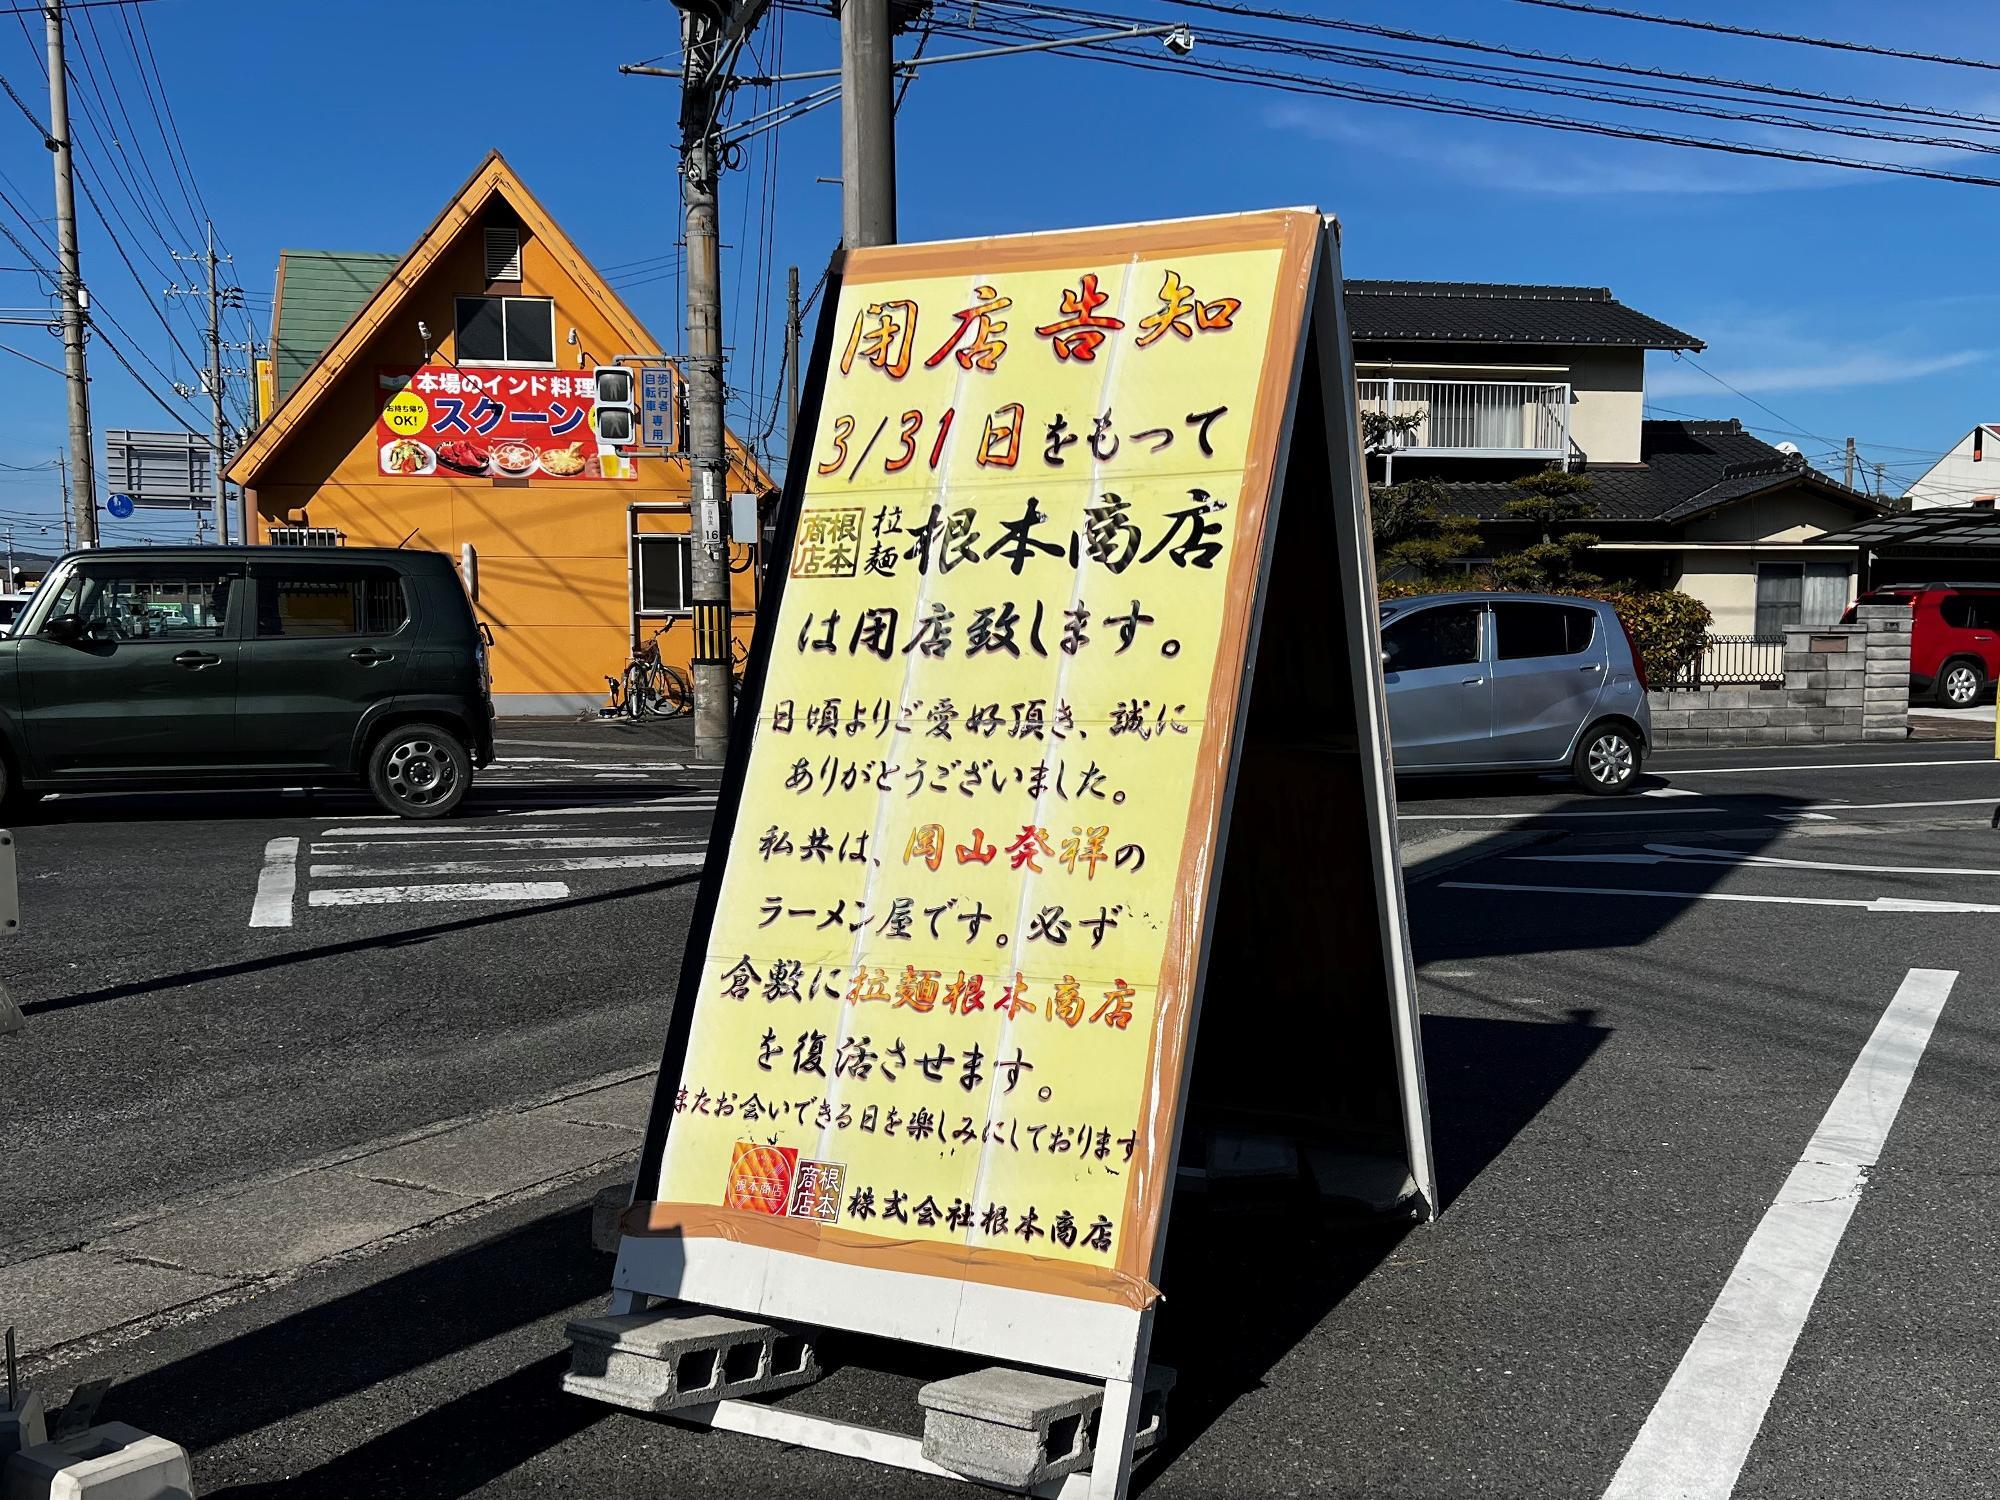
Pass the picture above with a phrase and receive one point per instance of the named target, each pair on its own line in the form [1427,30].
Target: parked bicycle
[649,687]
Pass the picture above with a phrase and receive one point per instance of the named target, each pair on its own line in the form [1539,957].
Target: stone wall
[1842,682]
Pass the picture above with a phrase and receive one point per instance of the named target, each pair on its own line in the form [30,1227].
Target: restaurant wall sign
[441,421]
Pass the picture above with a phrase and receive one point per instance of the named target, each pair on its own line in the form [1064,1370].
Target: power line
[1306,84]
[1810,99]
[1830,43]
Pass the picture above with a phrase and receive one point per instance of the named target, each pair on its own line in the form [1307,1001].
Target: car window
[1525,630]
[1445,636]
[338,599]
[1955,610]
[150,603]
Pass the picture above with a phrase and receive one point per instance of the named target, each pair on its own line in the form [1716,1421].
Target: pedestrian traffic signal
[615,417]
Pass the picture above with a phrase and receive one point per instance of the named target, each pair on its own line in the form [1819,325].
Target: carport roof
[1970,526]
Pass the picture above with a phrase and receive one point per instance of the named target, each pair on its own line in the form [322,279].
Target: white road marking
[1846,765]
[1818,811]
[1716,811]
[651,804]
[391,895]
[507,843]
[509,866]
[277,882]
[1699,1433]
[1668,791]
[1986,801]
[1676,854]
[1879,903]
[406,829]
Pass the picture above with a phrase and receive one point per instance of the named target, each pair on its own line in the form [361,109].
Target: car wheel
[419,771]
[1606,761]
[1959,684]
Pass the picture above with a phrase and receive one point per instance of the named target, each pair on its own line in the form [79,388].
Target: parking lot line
[1845,765]
[277,882]
[392,895]
[1695,1440]
[504,866]
[1878,903]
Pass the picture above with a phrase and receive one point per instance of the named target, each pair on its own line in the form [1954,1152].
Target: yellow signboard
[943,1010]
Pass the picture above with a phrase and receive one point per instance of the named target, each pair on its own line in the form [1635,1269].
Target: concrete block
[1670,718]
[1844,697]
[606,1210]
[1676,702]
[1805,681]
[1764,736]
[1873,694]
[1680,739]
[1804,661]
[624,1105]
[23,1425]
[1828,716]
[1749,718]
[1731,697]
[1791,713]
[108,1462]
[1020,1428]
[1890,732]
[671,1357]
[1806,734]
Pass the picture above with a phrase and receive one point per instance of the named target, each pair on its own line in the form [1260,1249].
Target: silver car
[1514,682]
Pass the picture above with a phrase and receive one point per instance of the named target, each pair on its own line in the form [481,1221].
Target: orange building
[446,400]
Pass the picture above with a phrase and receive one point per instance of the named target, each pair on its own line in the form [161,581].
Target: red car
[1954,637]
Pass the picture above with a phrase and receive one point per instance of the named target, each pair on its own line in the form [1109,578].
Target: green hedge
[1667,626]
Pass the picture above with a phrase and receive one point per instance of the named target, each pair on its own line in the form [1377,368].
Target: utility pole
[74,298]
[867,125]
[709,40]
[215,394]
[791,361]
[212,379]
[62,466]
[1847,473]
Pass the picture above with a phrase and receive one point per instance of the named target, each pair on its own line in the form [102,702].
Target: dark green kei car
[155,668]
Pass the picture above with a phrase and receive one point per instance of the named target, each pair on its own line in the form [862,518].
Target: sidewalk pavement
[181,1260]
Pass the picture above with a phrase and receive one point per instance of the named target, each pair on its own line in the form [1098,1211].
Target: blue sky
[1846,303]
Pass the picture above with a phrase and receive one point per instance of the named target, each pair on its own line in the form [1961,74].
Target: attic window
[503,254]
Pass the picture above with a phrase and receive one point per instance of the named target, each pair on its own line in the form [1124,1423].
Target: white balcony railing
[1473,418]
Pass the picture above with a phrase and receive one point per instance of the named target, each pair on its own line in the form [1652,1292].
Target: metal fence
[1735,661]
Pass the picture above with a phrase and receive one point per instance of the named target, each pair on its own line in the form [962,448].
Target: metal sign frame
[160,470]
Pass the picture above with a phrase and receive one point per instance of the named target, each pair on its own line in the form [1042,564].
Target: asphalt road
[1637,1012]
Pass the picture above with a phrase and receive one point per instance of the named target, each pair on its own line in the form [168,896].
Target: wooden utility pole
[74,299]
[1847,473]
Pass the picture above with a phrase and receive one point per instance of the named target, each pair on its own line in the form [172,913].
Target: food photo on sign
[444,421]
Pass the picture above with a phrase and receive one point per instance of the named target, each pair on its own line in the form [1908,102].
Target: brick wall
[1854,686]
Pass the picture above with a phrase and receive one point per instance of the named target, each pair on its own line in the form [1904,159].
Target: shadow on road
[398,939]
[432,1312]
[198,805]
[1295,1260]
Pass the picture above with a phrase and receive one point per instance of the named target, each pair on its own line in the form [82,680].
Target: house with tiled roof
[1491,382]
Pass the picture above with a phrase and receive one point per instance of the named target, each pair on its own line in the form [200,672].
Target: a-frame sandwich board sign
[1069,663]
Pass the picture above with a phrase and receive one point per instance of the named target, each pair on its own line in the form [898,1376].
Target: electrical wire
[1830,43]
[1315,86]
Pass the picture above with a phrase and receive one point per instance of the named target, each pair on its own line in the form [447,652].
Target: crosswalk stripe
[504,866]
[391,895]
[585,842]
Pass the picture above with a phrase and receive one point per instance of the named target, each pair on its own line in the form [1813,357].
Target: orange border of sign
[1296,233]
